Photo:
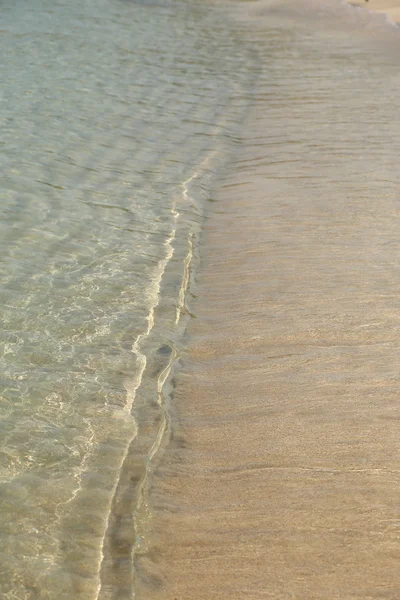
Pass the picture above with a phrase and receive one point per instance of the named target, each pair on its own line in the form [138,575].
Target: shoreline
[282,476]
[390,7]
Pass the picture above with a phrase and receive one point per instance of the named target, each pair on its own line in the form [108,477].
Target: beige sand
[282,480]
[391,7]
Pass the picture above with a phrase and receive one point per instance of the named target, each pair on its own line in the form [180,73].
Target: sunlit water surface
[115,117]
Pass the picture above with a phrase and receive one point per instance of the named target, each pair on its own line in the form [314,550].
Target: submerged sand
[282,478]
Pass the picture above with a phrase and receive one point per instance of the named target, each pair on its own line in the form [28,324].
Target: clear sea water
[115,118]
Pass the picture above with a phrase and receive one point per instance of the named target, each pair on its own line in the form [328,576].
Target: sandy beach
[282,477]
[200,283]
[391,7]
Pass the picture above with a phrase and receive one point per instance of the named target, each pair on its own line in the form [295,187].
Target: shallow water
[115,118]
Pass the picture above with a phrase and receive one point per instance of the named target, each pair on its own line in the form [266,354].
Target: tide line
[141,506]
[181,307]
[141,360]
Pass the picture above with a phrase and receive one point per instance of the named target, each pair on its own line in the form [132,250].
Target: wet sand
[391,7]
[282,477]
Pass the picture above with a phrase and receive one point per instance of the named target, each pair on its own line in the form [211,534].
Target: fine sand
[282,477]
[391,7]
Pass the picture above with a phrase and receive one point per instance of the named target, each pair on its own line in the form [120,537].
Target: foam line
[162,430]
[141,360]
[185,280]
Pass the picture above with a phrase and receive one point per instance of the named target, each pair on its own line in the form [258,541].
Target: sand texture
[282,478]
[391,7]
